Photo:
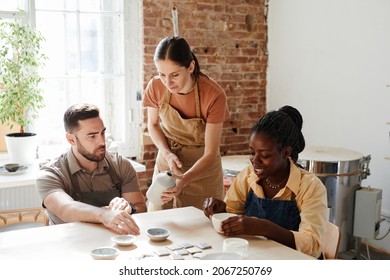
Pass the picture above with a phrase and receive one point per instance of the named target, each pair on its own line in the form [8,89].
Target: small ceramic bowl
[158,234]
[217,219]
[104,253]
[11,167]
[124,240]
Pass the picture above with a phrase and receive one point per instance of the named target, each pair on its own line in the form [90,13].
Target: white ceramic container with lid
[161,183]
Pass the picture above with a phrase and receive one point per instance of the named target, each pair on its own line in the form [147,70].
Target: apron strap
[117,183]
[75,190]
[197,103]
[168,95]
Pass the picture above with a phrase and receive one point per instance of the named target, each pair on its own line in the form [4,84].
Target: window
[94,56]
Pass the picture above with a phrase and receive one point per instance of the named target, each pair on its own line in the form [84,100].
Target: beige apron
[185,138]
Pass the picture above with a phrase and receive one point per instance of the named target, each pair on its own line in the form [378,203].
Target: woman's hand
[174,164]
[170,193]
[213,205]
[242,224]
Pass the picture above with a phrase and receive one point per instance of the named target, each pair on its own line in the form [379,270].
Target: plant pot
[22,147]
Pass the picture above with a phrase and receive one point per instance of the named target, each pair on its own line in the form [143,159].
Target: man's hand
[120,221]
[119,203]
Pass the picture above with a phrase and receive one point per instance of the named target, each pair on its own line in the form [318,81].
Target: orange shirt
[213,100]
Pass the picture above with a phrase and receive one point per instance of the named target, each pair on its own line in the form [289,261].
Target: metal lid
[333,161]
[329,154]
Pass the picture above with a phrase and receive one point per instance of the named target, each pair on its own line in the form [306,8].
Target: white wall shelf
[28,178]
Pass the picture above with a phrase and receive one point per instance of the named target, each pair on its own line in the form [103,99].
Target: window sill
[28,178]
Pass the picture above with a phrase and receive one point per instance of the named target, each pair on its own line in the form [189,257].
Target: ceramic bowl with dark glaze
[11,167]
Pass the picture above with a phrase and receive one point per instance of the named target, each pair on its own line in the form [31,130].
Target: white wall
[331,60]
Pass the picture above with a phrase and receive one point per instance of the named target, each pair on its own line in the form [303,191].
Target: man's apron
[185,138]
[100,198]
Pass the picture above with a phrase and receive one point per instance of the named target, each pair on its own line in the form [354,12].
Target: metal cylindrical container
[341,171]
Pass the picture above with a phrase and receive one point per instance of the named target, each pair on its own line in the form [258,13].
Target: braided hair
[284,126]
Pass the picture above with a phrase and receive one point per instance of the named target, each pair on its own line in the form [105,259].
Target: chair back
[23,218]
[332,241]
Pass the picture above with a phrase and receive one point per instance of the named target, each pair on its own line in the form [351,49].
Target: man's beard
[91,156]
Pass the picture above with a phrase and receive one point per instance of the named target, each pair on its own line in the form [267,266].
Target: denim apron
[100,198]
[284,213]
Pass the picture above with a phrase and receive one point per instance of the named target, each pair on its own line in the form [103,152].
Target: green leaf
[20,58]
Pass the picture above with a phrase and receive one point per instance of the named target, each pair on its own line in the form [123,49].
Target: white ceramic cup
[218,218]
[236,245]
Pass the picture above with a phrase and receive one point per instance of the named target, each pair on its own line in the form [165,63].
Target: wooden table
[76,240]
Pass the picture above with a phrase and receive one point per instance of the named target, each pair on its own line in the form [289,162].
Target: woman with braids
[273,196]
[186,112]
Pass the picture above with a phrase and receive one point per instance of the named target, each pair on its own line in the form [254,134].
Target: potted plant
[20,93]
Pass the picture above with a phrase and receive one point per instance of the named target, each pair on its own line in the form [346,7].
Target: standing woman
[186,112]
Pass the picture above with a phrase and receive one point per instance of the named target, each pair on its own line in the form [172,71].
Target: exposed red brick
[229,40]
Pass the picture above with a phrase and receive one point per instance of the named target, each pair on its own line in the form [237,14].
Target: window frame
[129,146]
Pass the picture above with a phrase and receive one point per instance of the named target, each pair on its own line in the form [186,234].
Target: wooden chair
[332,241]
[23,218]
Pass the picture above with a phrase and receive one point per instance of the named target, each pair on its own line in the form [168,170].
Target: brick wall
[229,39]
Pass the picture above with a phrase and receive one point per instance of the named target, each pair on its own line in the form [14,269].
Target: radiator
[19,197]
